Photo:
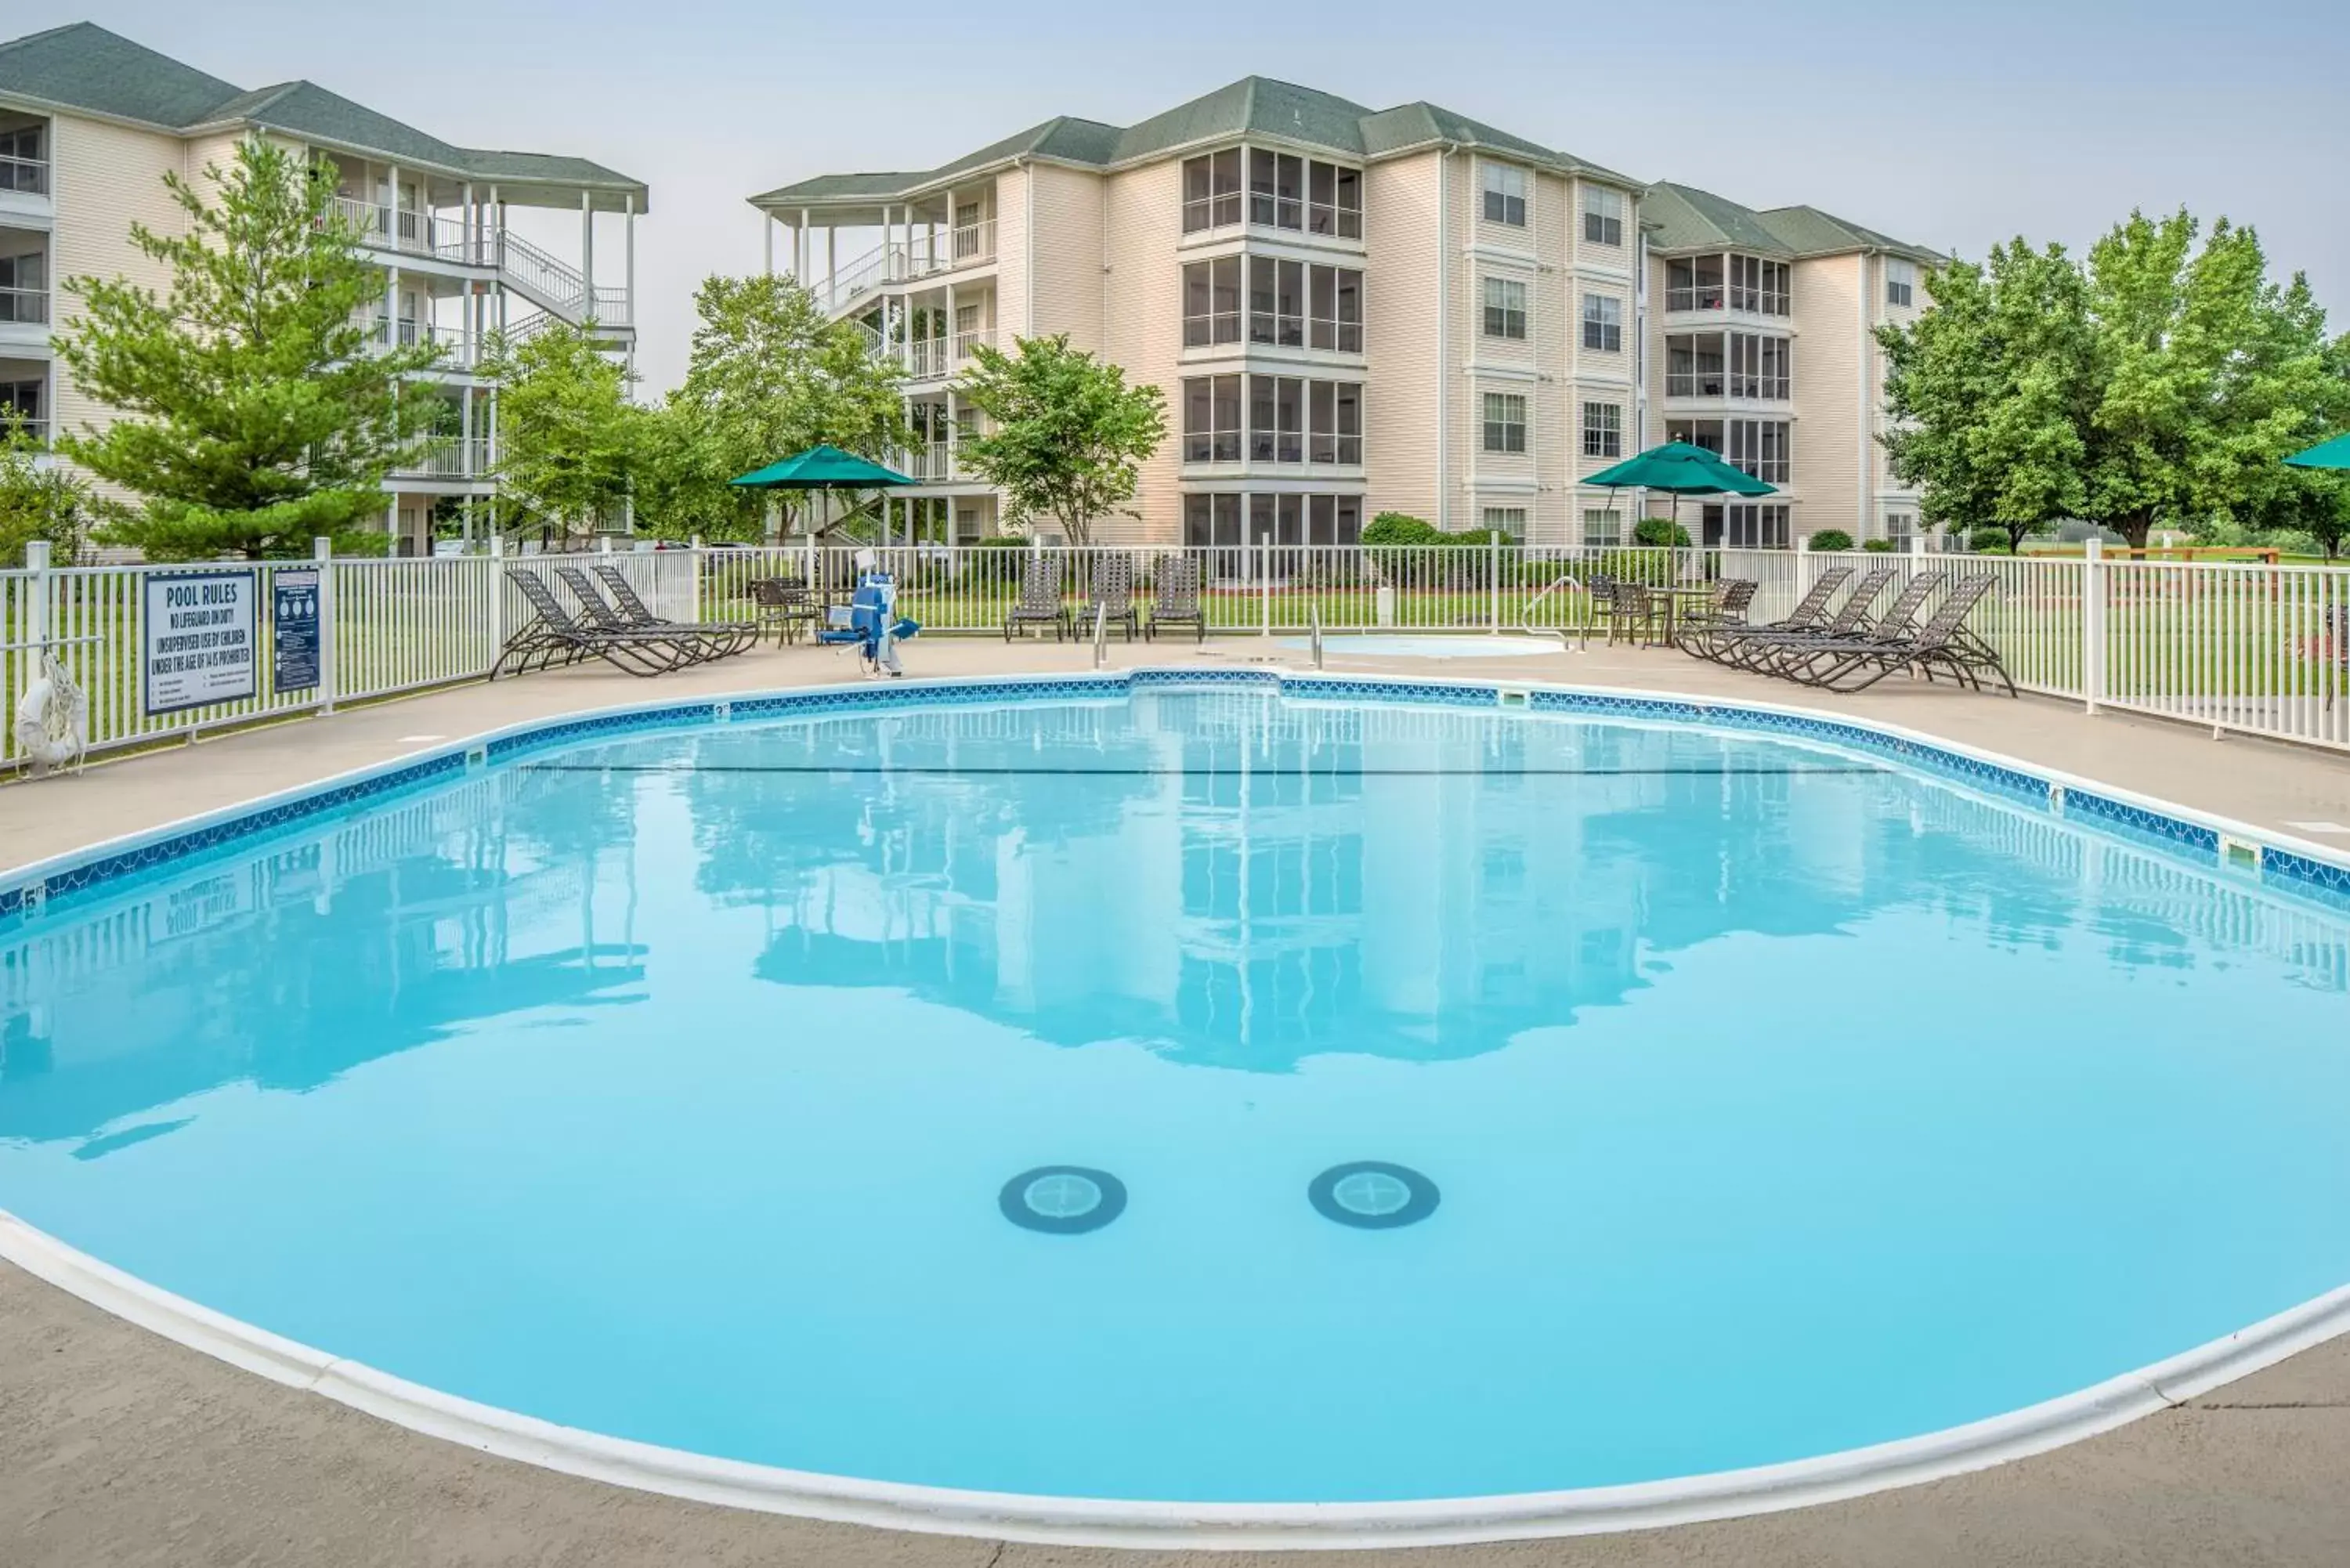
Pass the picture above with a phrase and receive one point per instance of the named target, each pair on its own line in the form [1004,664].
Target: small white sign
[199,645]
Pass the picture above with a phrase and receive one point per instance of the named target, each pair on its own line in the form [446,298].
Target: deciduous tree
[254,407]
[1065,437]
[569,438]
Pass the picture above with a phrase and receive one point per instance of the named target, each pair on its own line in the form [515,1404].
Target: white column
[473,218]
[2093,623]
[831,259]
[587,252]
[323,552]
[767,238]
[631,233]
[465,423]
[494,218]
[391,230]
[391,305]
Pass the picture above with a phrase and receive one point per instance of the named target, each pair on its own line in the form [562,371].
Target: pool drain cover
[1063,1199]
[1371,1195]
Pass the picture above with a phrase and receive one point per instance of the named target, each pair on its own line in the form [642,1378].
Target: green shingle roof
[1252,107]
[84,66]
[1683,218]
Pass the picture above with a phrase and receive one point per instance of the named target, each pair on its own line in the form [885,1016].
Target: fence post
[1493,587]
[498,619]
[693,578]
[2093,623]
[322,551]
[37,612]
[1264,587]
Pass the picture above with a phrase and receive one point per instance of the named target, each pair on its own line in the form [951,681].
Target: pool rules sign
[198,645]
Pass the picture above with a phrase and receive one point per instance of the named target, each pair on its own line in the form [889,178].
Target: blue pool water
[1481,1103]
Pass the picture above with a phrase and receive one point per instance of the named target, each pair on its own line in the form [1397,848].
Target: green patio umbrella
[2334,453]
[821,468]
[1679,469]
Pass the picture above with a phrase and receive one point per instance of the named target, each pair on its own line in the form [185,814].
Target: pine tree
[254,407]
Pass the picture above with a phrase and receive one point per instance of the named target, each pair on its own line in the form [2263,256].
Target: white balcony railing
[29,176]
[1727,384]
[926,358]
[556,284]
[449,339]
[965,342]
[932,462]
[904,261]
[1703,297]
[28,306]
[447,457]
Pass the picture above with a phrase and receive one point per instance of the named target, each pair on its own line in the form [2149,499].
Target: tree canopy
[253,407]
[569,438]
[1065,437]
[37,502]
[768,377]
[2154,384]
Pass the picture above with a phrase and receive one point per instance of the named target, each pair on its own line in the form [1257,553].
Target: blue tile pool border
[2201,839]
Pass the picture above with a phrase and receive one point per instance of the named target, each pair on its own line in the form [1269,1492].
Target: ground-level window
[1602,527]
[1901,527]
[1752,527]
[1505,422]
[1509,519]
[1231,519]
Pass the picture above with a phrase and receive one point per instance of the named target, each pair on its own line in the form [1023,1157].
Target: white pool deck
[117,1446]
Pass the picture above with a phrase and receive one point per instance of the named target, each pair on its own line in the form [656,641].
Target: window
[1729,365]
[1509,519]
[1900,528]
[21,166]
[1693,283]
[1603,323]
[1757,285]
[1756,527]
[1602,429]
[1211,190]
[970,237]
[1334,200]
[1276,302]
[1602,527]
[1276,418]
[1211,419]
[1603,216]
[1211,520]
[1334,430]
[1506,194]
[1276,189]
[1212,302]
[24,290]
[1901,282]
[1505,307]
[1761,447]
[1706,433]
[1505,422]
[1336,296]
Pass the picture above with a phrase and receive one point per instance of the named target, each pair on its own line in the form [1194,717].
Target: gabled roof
[1253,107]
[1684,218]
[84,66]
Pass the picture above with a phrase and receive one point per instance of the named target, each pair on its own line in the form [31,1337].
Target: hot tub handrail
[1564,580]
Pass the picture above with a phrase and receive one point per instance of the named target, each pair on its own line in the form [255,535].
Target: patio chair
[1634,613]
[1111,596]
[1811,611]
[696,645]
[1734,596]
[737,635]
[1943,642]
[1753,649]
[1176,602]
[1039,602]
[553,636]
[786,604]
[1786,655]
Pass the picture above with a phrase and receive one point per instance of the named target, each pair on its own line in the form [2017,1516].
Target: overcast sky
[1954,126]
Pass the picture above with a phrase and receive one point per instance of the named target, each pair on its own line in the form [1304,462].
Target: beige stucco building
[90,123]
[1354,311]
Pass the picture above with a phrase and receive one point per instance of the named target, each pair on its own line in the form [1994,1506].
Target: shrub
[1988,541]
[1003,542]
[1877,546]
[1402,528]
[1657,531]
[1831,539]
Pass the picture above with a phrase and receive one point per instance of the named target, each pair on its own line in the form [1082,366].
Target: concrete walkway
[117,1447]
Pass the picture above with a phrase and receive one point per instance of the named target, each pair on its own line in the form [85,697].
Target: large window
[1211,419]
[1751,528]
[1602,429]
[1602,527]
[1506,519]
[1212,302]
[24,286]
[1901,282]
[1228,520]
[1283,411]
[1603,216]
[1761,447]
[1276,302]
[1505,422]
[1334,200]
[1757,285]
[1506,194]
[1759,366]
[1335,295]
[1276,189]
[1505,307]
[1693,283]
[1211,190]
[22,167]
[1729,365]
[1603,323]
[1335,423]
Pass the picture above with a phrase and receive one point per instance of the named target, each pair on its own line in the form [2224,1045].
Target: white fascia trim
[1502,256]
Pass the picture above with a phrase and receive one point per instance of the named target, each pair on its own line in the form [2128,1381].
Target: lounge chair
[1110,597]
[1754,649]
[738,636]
[553,636]
[697,644]
[1176,602]
[786,604]
[1790,655]
[1810,613]
[1943,642]
[1039,603]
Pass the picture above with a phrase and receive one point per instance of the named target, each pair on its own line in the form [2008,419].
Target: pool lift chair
[870,622]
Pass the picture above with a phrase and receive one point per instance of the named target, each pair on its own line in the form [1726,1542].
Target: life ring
[53,719]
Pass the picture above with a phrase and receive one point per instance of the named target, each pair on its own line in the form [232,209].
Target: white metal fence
[2251,648]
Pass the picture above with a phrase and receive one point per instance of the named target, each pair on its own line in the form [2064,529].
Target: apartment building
[89,124]
[1351,310]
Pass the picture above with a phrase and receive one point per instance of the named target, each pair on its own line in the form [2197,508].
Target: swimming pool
[1429,645]
[1206,1096]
